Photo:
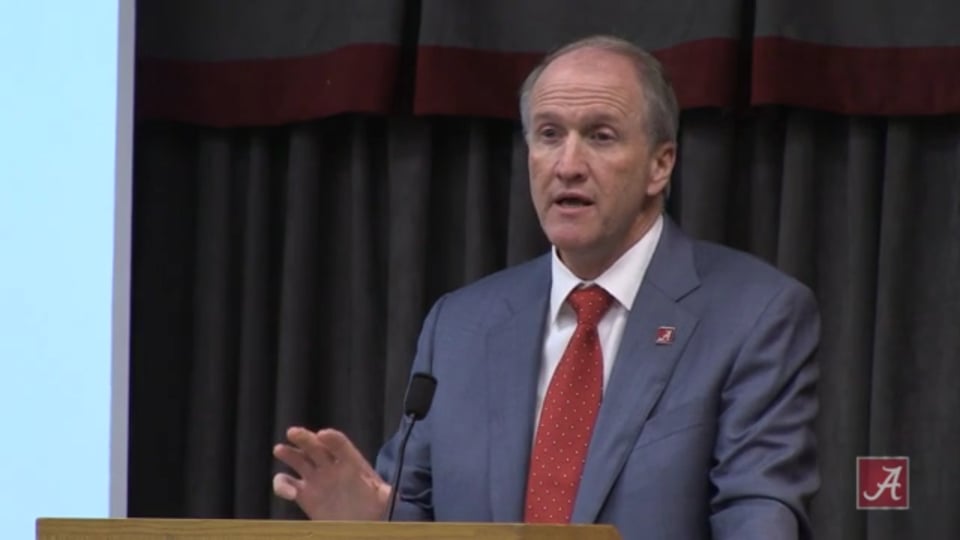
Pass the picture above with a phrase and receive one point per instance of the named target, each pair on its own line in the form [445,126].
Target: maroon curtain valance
[872,57]
[264,62]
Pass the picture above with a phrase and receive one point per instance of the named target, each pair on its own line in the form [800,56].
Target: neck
[590,264]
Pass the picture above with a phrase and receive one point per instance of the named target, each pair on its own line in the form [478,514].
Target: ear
[662,159]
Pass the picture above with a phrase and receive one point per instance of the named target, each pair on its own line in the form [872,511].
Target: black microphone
[416,405]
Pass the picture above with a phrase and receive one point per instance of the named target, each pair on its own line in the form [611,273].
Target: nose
[571,164]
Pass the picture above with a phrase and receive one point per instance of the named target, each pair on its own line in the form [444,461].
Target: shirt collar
[621,280]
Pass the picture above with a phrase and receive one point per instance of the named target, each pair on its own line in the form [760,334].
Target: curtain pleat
[913,397]
[257,335]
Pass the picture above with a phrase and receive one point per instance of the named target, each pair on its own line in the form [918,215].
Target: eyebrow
[544,116]
[590,119]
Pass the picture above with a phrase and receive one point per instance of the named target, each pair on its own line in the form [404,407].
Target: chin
[567,244]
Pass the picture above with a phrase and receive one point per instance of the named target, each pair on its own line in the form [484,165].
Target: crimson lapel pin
[665,335]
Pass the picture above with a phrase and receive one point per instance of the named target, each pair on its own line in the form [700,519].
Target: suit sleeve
[415,501]
[766,469]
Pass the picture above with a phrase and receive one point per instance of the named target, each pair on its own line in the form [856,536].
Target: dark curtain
[280,276]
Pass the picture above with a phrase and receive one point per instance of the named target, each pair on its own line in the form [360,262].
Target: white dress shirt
[621,280]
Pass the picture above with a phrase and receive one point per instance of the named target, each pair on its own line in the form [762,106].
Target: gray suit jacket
[709,436]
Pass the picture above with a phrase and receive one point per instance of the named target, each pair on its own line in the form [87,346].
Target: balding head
[662,112]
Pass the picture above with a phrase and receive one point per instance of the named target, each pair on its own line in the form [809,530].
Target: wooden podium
[224,529]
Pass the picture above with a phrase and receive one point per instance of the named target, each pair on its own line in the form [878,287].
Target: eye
[548,133]
[603,135]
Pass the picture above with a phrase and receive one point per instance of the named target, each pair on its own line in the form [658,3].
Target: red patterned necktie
[569,412]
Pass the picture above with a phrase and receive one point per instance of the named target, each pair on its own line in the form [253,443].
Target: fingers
[295,459]
[341,448]
[309,443]
[310,453]
[285,486]
[335,441]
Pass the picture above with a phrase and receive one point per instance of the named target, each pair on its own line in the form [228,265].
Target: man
[632,376]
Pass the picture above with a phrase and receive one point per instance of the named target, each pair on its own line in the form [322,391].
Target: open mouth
[573,201]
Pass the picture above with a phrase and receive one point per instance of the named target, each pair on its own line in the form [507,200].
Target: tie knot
[590,303]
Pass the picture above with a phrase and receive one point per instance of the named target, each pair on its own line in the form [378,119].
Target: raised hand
[335,481]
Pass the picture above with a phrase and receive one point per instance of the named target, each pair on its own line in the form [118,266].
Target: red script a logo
[883,483]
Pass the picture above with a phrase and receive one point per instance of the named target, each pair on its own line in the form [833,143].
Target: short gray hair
[662,111]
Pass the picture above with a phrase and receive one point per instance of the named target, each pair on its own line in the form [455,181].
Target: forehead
[588,80]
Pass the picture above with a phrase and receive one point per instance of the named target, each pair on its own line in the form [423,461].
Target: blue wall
[58,86]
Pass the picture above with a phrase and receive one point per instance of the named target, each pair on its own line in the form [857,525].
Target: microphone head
[419,395]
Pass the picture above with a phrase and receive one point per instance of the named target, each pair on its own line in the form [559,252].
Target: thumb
[285,487]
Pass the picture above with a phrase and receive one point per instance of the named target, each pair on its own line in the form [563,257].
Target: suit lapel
[513,361]
[642,368]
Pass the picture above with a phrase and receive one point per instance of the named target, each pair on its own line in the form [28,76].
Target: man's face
[595,178]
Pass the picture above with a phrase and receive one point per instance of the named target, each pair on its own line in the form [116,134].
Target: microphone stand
[394,490]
